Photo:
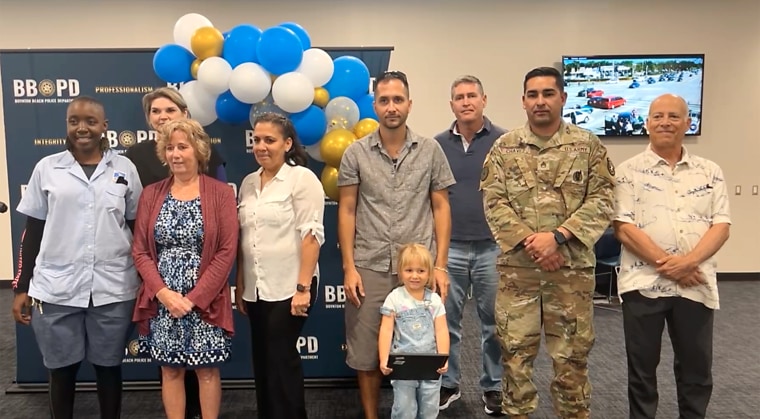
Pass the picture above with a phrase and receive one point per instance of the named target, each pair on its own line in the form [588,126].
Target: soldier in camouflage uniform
[548,195]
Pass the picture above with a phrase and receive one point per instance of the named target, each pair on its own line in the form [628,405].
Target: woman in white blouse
[281,231]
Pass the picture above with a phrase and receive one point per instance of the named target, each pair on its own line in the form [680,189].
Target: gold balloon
[194,67]
[364,127]
[321,97]
[329,180]
[334,144]
[207,42]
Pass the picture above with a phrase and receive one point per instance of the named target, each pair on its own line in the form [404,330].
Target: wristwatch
[303,288]
[559,237]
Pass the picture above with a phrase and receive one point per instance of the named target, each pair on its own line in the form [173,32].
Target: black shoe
[448,395]
[492,399]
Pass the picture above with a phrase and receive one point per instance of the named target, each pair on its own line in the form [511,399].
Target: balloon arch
[235,76]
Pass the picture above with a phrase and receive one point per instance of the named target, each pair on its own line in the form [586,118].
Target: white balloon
[314,153]
[205,117]
[186,27]
[200,103]
[214,75]
[250,83]
[194,92]
[341,112]
[292,92]
[317,65]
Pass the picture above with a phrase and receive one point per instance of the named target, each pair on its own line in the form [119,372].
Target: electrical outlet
[754,189]
[738,190]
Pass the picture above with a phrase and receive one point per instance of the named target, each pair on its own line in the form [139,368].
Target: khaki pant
[562,302]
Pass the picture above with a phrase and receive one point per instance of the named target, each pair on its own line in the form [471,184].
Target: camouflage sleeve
[589,221]
[507,228]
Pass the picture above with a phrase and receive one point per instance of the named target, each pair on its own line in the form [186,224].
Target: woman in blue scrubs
[77,282]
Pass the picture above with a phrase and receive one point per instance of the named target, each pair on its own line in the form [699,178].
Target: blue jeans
[415,399]
[474,263]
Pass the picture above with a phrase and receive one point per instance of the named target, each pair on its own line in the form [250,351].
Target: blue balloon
[366,108]
[279,50]
[231,110]
[172,62]
[240,45]
[350,78]
[310,125]
[300,33]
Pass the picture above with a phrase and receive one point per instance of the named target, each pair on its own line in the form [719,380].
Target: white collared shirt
[674,208]
[273,223]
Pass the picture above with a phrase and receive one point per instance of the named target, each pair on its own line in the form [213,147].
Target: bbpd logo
[249,141]
[335,296]
[59,88]
[308,346]
[133,347]
[128,138]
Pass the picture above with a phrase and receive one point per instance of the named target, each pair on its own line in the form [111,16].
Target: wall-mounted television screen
[610,94]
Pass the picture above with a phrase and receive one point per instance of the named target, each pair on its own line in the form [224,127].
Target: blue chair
[607,250]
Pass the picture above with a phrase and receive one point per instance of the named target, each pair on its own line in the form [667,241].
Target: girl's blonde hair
[414,252]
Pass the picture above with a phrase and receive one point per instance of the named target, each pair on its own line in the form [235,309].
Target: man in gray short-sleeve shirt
[393,190]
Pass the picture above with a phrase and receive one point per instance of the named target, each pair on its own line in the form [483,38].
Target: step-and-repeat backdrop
[37,86]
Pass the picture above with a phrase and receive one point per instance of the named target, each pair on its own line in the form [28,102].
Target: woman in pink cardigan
[185,243]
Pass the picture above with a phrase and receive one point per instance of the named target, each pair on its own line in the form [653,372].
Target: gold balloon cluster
[334,144]
[332,147]
[206,42]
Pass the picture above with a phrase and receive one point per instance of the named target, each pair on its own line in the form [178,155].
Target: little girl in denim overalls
[414,321]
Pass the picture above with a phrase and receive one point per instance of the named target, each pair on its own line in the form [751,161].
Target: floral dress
[188,341]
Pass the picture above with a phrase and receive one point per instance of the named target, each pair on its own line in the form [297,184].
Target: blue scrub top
[86,245]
